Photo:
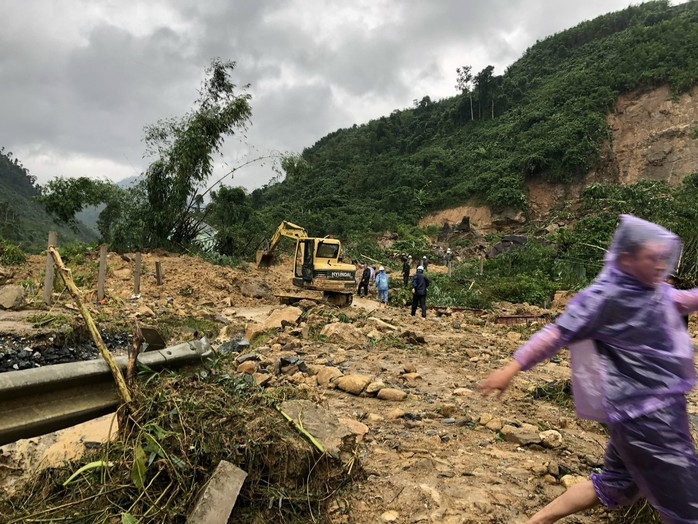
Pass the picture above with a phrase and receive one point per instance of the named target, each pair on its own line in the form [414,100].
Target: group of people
[380,279]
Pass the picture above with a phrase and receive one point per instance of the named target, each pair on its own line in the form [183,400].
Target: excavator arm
[265,256]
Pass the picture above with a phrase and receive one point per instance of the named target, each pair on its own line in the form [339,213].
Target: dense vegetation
[544,117]
[23,221]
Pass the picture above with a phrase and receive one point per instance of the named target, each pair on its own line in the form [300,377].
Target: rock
[411,378]
[357,428]
[390,516]
[391,394]
[288,314]
[253,330]
[495,424]
[353,383]
[249,367]
[485,418]
[526,434]
[255,290]
[323,425]
[373,417]
[471,352]
[462,392]
[395,414]
[570,480]
[326,376]
[409,368]
[514,335]
[144,311]
[551,438]
[12,297]
[341,331]
[261,378]
[374,387]
[245,357]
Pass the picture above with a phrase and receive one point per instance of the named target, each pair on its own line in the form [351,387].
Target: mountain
[23,220]
[549,121]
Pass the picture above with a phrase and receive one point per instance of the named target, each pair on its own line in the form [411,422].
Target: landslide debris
[427,447]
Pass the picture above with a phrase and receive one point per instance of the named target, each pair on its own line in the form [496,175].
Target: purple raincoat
[632,363]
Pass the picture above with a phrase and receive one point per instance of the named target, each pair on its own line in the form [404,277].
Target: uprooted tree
[164,209]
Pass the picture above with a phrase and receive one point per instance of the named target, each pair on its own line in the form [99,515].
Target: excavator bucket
[264,258]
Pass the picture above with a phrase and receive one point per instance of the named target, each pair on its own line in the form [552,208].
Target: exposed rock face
[654,136]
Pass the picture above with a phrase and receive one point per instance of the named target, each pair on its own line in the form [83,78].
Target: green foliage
[556,391]
[10,254]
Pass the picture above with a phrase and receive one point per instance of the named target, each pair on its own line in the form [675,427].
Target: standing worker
[420,283]
[632,365]
[382,286]
[448,258]
[363,283]
[425,263]
[406,262]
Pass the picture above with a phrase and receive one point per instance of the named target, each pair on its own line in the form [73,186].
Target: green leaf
[127,518]
[139,467]
[86,467]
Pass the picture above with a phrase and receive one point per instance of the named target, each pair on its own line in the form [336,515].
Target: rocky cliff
[654,135]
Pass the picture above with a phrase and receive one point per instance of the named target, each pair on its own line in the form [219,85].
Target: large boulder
[12,297]
[337,439]
[279,317]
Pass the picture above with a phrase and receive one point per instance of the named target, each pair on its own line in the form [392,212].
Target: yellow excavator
[317,264]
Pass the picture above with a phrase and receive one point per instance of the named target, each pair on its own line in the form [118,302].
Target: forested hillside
[23,221]
[545,117]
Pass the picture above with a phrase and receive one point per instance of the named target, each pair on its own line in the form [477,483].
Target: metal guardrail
[37,401]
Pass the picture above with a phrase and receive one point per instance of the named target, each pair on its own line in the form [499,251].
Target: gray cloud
[81,78]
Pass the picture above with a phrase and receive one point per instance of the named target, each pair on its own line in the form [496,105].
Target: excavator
[317,264]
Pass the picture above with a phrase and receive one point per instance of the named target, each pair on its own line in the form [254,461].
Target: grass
[181,427]
[558,392]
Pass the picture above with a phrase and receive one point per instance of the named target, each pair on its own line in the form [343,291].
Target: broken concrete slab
[219,496]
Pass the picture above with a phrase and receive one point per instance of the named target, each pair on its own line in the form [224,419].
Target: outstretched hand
[499,380]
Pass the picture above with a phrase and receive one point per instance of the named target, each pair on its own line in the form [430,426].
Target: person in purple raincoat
[632,365]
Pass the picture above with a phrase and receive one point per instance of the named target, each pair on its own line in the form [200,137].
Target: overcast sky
[79,79]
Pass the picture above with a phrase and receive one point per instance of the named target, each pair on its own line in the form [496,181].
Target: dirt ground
[441,454]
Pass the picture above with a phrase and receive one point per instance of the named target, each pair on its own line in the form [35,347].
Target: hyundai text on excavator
[317,264]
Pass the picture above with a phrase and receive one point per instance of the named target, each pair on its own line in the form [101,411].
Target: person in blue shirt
[382,286]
